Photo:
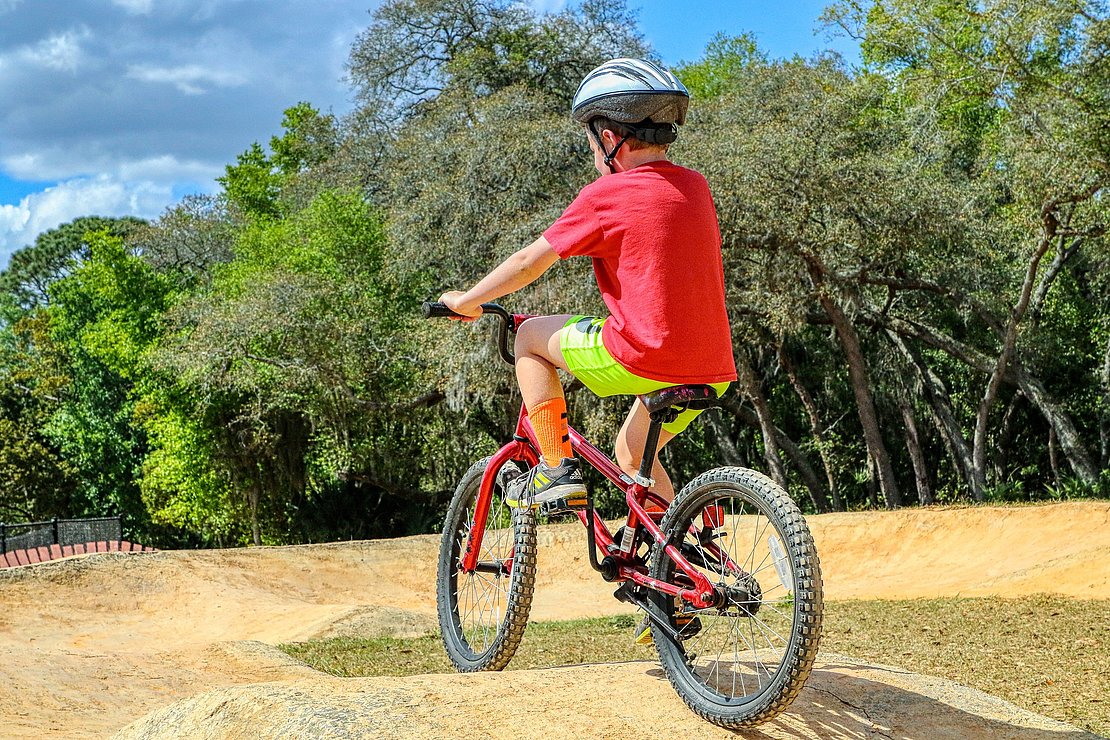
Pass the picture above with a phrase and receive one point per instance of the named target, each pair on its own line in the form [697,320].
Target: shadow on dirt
[853,700]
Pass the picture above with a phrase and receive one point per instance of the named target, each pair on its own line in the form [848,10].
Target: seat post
[648,461]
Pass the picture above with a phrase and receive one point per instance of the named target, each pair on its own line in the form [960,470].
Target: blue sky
[122,107]
[679,31]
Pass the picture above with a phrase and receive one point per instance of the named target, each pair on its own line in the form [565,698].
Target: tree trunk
[1001,456]
[1031,300]
[1053,460]
[1009,346]
[1070,440]
[872,486]
[913,446]
[721,433]
[256,533]
[814,426]
[750,387]
[1104,417]
[936,395]
[801,462]
[861,386]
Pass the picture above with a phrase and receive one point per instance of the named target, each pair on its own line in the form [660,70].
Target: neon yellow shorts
[590,362]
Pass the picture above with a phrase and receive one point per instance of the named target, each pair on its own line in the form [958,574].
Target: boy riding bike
[730,585]
[650,228]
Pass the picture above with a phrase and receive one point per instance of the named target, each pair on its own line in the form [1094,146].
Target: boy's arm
[520,269]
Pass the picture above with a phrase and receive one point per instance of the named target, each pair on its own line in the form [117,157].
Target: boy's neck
[627,159]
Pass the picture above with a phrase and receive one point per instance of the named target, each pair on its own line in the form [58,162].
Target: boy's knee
[539,338]
[527,337]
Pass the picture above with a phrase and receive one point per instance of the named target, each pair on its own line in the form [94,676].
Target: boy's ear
[609,138]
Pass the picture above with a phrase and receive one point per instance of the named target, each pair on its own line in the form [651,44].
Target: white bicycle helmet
[630,91]
[646,100]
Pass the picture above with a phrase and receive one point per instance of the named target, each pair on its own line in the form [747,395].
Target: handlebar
[507,321]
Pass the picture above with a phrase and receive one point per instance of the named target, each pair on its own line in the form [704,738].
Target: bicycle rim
[482,614]
[743,661]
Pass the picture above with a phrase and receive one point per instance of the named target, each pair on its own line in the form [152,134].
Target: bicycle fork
[515,450]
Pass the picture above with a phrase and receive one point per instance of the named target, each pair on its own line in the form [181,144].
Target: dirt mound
[96,642]
[843,699]
[984,551]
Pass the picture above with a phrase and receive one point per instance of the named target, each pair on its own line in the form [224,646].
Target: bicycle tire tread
[511,629]
[807,577]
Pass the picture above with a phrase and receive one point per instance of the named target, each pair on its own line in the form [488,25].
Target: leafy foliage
[915,255]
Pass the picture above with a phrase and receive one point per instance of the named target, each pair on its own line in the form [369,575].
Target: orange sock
[549,419]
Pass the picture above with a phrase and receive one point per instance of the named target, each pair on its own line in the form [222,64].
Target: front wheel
[742,661]
[482,614]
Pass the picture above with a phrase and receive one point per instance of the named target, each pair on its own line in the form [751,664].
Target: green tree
[103,316]
[295,361]
[36,482]
[724,61]
[1037,73]
[257,181]
[34,268]
[415,50]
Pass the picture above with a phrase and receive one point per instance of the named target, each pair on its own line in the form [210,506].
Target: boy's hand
[453,300]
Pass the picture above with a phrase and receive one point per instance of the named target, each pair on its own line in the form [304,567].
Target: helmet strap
[609,156]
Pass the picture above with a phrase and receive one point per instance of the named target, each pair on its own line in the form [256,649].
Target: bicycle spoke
[479,607]
[742,644]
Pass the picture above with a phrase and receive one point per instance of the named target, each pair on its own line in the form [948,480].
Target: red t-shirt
[656,248]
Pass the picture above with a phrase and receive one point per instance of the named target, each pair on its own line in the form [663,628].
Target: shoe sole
[570,497]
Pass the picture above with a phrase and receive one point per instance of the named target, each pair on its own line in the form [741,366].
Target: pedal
[567,505]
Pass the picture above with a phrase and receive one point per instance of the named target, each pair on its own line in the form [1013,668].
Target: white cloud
[102,195]
[54,164]
[167,168]
[135,7]
[60,51]
[125,103]
[196,80]
[189,79]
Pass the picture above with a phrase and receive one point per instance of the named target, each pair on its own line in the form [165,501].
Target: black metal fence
[59,532]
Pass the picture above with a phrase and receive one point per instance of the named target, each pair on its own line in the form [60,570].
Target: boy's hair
[621,130]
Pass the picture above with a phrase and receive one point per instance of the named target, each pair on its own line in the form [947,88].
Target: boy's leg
[557,481]
[537,357]
[630,449]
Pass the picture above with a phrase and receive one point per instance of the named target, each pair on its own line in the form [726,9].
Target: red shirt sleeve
[578,231]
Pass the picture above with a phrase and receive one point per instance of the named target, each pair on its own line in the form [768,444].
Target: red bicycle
[728,574]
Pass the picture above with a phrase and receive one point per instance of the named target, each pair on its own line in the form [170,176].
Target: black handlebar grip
[434,310]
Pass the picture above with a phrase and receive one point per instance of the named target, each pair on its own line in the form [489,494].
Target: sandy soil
[92,644]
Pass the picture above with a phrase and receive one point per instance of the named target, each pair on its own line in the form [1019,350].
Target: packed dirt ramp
[843,699]
[180,644]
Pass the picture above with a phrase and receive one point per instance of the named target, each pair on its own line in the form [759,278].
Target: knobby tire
[482,615]
[742,669]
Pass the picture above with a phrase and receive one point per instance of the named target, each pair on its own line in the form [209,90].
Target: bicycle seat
[681,397]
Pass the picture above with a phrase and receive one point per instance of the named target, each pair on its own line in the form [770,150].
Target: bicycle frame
[524,449]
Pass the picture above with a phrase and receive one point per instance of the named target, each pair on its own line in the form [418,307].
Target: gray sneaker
[561,485]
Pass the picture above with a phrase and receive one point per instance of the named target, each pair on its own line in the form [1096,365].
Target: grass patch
[1049,655]
[545,644]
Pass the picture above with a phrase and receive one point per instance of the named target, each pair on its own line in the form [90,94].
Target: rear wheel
[482,614]
[744,660]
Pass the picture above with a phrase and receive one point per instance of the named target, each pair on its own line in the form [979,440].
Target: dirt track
[92,644]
